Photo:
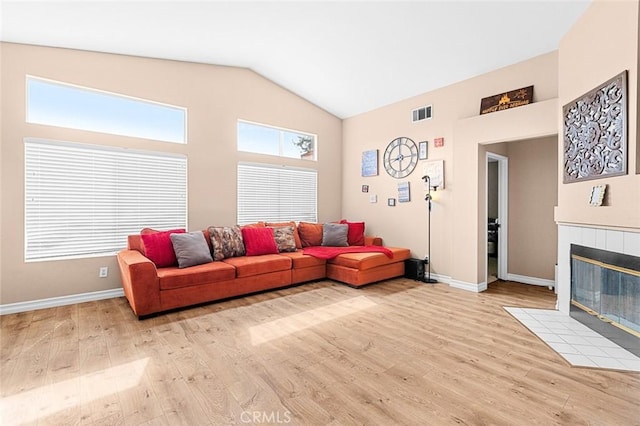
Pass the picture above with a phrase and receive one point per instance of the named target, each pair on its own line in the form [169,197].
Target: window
[276,194]
[261,139]
[64,105]
[83,200]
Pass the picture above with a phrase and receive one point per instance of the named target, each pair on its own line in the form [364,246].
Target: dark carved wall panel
[595,132]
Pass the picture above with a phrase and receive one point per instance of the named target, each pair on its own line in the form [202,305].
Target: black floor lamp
[428,199]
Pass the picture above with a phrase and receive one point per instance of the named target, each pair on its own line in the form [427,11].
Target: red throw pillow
[355,235]
[158,247]
[259,241]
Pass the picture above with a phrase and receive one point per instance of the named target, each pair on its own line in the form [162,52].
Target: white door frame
[503,212]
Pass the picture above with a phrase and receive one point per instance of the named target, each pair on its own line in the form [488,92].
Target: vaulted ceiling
[347,57]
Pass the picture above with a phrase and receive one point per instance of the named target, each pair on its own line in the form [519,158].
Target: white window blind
[83,200]
[276,194]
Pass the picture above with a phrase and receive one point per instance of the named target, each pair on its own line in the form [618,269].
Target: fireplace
[605,294]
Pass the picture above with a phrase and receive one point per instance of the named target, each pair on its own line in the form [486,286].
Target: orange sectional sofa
[150,289]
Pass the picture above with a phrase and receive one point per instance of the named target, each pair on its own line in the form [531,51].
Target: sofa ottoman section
[358,269]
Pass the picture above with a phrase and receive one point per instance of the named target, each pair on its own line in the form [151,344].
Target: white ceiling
[347,57]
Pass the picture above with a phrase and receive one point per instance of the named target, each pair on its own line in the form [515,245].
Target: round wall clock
[400,157]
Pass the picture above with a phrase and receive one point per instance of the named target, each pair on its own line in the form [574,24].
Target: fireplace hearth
[605,294]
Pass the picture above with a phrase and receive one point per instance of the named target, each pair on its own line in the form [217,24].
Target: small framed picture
[422,152]
[404,193]
[391,202]
[365,188]
[597,195]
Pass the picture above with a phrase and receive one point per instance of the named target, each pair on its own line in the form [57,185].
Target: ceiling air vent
[422,113]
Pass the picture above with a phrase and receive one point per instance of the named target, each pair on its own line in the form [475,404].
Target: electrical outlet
[104,271]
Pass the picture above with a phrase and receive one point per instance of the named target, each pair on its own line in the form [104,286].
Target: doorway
[496,219]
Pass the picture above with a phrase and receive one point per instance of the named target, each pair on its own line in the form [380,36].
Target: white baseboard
[476,288]
[440,278]
[531,280]
[32,305]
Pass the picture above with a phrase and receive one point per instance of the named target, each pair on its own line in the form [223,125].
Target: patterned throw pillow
[296,235]
[285,239]
[227,241]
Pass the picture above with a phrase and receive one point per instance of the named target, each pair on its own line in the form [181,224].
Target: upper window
[261,139]
[83,200]
[65,105]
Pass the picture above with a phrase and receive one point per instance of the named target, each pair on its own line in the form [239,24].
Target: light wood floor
[398,352]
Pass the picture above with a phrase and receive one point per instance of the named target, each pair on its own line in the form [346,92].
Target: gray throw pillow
[335,234]
[191,249]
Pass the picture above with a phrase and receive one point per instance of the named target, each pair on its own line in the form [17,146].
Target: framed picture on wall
[597,195]
[370,163]
[404,193]
[435,170]
[595,132]
[422,150]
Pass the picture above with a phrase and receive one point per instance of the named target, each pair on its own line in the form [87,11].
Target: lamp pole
[428,199]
